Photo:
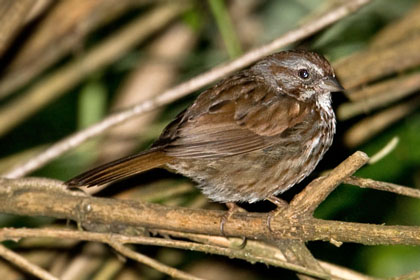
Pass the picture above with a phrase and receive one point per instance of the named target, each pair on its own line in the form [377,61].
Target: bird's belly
[253,176]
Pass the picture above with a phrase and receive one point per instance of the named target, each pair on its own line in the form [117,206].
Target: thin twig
[25,264]
[386,150]
[173,272]
[185,88]
[17,233]
[382,186]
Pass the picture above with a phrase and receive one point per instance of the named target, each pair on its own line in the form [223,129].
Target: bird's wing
[235,118]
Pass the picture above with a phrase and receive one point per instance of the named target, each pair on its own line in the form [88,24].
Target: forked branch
[28,197]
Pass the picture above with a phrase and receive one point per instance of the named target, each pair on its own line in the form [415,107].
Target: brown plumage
[249,137]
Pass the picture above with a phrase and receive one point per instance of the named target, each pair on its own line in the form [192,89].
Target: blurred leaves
[391,261]
[92,104]
[226,28]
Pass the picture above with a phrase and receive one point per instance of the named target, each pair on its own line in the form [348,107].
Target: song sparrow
[249,137]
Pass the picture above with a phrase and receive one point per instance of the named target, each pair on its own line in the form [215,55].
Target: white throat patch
[323,101]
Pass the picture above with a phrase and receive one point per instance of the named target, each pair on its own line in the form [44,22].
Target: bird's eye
[304,74]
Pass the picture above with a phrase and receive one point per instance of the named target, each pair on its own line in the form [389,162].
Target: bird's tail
[121,168]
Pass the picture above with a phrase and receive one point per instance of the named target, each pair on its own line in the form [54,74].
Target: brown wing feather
[232,123]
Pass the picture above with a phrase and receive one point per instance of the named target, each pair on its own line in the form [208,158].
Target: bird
[248,138]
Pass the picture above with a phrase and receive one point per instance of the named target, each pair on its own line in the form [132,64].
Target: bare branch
[296,252]
[257,251]
[27,197]
[25,264]
[253,252]
[316,192]
[386,150]
[382,186]
[125,251]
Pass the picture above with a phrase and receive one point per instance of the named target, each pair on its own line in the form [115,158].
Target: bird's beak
[331,84]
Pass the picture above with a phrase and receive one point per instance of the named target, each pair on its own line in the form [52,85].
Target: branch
[173,272]
[25,264]
[253,252]
[185,88]
[379,95]
[257,251]
[370,126]
[57,83]
[12,17]
[372,64]
[383,186]
[116,241]
[44,48]
[296,252]
[28,197]
[317,191]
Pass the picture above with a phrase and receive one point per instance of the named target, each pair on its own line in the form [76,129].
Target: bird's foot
[281,205]
[232,208]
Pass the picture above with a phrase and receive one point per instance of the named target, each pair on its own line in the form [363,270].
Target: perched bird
[250,137]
